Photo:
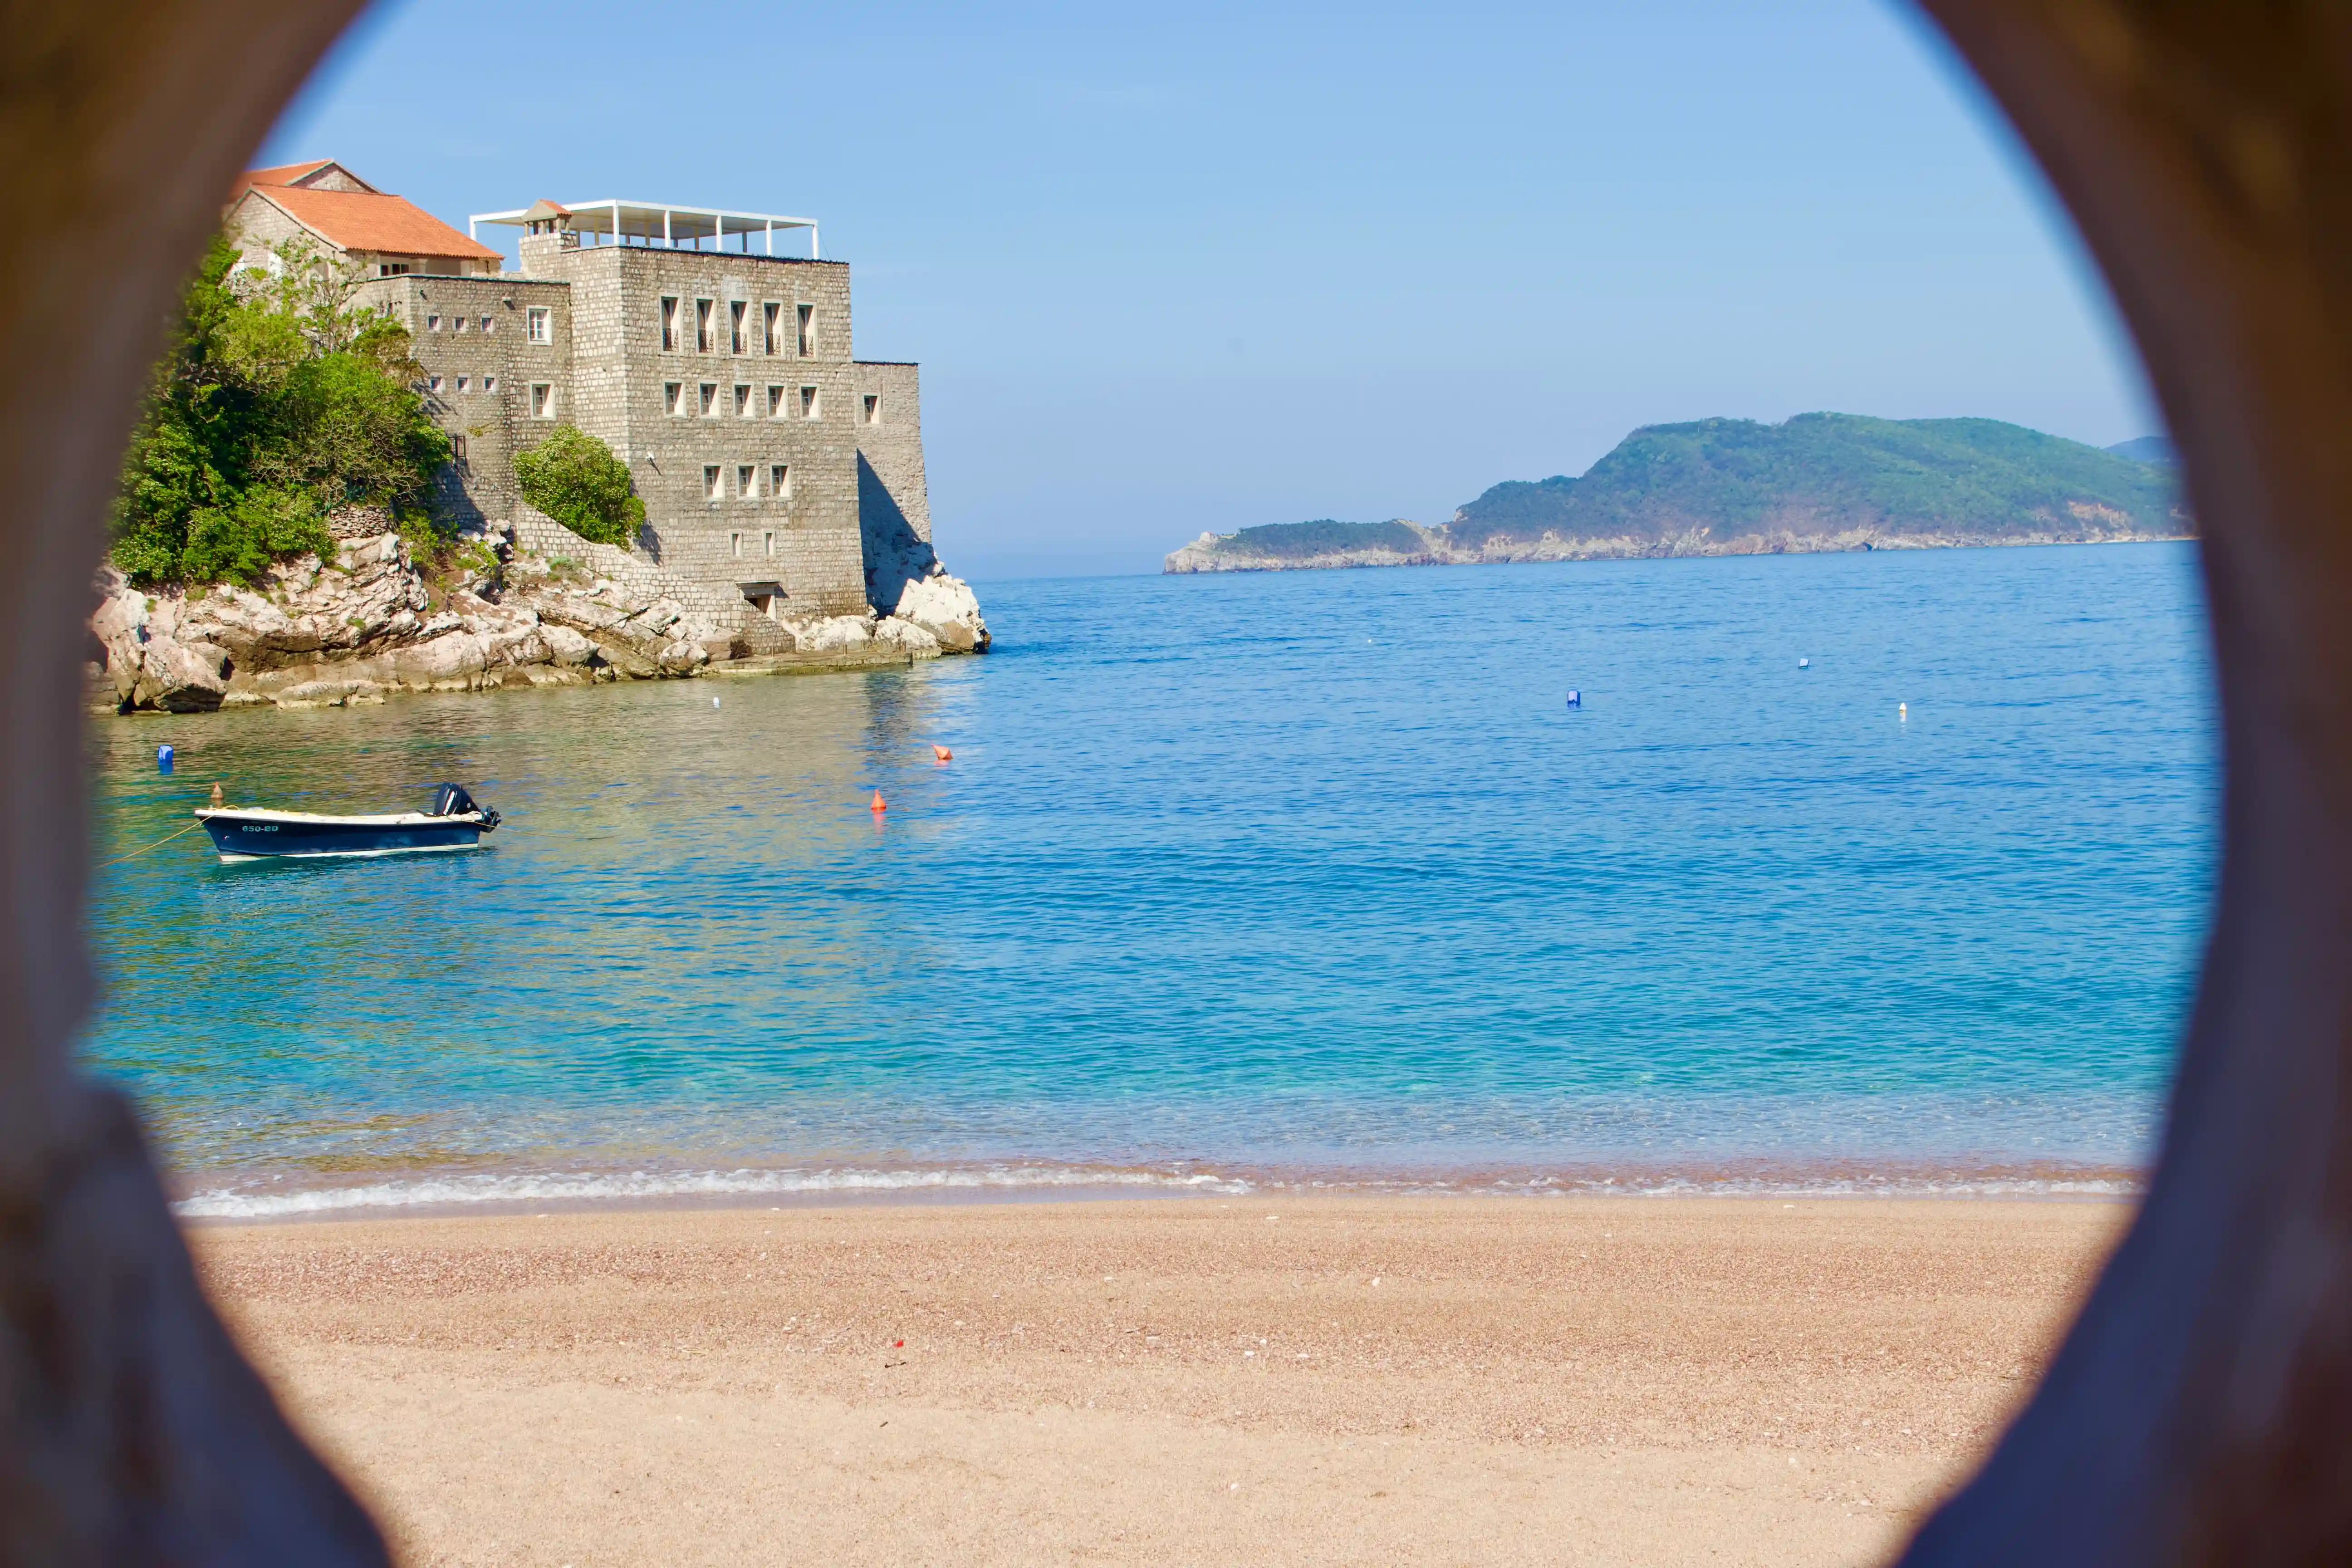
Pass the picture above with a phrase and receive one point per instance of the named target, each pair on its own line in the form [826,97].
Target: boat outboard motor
[451,800]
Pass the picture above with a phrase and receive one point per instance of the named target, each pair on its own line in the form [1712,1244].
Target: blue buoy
[1576,700]
[164,755]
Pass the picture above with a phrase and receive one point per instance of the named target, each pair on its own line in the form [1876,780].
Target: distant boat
[244,833]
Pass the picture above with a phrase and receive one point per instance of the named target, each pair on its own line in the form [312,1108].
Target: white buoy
[1804,664]
[1903,712]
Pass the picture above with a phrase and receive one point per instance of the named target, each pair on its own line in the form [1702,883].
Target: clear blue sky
[1170,268]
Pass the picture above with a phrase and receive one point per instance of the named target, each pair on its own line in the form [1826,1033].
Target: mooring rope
[119,859]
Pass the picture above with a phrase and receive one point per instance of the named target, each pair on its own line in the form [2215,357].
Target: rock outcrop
[373,622]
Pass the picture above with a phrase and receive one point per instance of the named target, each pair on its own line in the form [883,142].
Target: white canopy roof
[659,223]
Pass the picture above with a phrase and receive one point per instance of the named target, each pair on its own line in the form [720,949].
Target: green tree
[279,400]
[574,479]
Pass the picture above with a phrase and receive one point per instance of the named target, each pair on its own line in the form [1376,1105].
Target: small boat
[243,834]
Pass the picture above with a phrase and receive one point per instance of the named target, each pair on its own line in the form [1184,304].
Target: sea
[1881,872]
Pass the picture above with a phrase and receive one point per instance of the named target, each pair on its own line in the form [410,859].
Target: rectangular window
[735,545]
[674,397]
[746,482]
[735,309]
[808,402]
[771,322]
[457,448]
[458,323]
[709,404]
[463,381]
[768,542]
[542,400]
[489,324]
[775,403]
[780,481]
[433,384]
[432,323]
[489,384]
[539,324]
[390,268]
[874,408]
[808,329]
[706,327]
[710,482]
[669,323]
[743,409]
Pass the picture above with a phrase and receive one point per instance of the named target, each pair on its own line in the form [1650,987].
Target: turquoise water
[1286,878]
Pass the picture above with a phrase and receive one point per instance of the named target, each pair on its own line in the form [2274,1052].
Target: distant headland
[1735,487]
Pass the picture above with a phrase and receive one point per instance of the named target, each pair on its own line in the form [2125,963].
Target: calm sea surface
[1286,878]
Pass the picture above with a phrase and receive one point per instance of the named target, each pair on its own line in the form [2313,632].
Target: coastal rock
[945,607]
[834,634]
[915,639]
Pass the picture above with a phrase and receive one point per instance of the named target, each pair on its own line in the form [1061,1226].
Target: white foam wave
[580,1187]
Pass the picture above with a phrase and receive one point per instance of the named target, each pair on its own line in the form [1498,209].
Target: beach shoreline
[1260,1377]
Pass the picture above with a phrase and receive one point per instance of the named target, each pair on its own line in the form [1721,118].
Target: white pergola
[659,223]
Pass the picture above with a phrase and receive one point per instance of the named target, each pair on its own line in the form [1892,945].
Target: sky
[1177,267]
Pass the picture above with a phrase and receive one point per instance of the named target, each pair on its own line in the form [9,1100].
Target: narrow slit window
[768,543]
[706,327]
[746,482]
[542,400]
[743,409]
[710,482]
[780,481]
[709,404]
[458,449]
[808,402]
[735,545]
[807,329]
[539,324]
[874,408]
[674,397]
[669,322]
[771,322]
[735,329]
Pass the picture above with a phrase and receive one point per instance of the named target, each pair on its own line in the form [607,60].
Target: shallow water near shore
[1301,880]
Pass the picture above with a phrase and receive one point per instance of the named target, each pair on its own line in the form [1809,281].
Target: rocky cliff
[375,621]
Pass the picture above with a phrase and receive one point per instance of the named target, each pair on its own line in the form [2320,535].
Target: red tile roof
[355,221]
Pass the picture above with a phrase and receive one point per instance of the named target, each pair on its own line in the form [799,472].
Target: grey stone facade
[770,461]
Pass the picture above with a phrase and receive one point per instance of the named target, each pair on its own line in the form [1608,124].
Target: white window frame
[812,402]
[743,408]
[772,324]
[712,481]
[542,400]
[804,325]
[539,323]
[706,326]
[670,337]
[674,399]
[873,408]
[706,399]
[780,481]
[746,482]
[489,384]
[739,326]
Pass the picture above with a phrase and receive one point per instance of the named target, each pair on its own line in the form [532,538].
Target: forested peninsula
[1735,487]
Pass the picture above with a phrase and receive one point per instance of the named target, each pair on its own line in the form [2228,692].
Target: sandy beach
[1200,1381]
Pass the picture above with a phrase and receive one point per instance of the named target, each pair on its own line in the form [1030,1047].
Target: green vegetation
[1299,540]
[574,479]
[278,403]
[1826,473]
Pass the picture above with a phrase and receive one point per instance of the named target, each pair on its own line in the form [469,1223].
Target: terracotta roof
[284,174]
[352,221]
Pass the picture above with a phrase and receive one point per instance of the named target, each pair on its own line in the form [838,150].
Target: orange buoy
[877,808]
[942,752]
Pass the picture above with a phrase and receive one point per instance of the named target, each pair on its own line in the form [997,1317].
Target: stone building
[782,478]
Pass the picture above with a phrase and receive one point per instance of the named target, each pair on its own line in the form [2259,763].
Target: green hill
[1825,481]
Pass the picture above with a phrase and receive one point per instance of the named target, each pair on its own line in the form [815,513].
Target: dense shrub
[574,479]
[278,401]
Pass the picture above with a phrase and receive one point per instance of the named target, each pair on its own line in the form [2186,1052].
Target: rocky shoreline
[376,621]
[1226,552]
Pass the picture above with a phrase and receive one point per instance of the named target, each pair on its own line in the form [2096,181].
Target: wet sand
[1202,1380]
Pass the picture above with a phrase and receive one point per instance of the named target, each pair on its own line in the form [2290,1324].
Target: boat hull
[244,840]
